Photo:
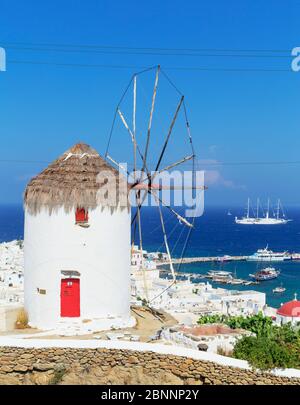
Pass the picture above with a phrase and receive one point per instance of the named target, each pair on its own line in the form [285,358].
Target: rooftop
[78,178]
[290,309]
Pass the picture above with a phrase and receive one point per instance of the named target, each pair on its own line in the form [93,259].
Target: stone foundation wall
[112,366]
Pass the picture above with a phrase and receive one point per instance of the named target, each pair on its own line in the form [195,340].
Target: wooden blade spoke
[117,164]
[151,116]
[165,236]
[187,158]
[169,134]
[178,216]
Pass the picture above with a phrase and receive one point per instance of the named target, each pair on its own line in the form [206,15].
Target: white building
[193,300]
[13,279]
[77,243]
[289,312]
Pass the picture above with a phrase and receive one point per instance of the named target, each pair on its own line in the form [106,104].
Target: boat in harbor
[269,273]
[276,218]
[267,255]
[236,281]
[219,273]
[279,290]
[225,258]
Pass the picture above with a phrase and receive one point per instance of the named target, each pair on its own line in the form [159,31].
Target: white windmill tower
[77,244]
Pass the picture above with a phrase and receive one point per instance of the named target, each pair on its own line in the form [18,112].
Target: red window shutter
[81,215]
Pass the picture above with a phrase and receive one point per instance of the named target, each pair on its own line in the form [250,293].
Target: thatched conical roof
[76,179]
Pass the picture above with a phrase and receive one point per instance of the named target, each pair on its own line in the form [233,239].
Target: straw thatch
[80,178]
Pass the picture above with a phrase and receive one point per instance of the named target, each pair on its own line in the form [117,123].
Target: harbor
[187,260]
[226,258]
[221,277]
[149,226]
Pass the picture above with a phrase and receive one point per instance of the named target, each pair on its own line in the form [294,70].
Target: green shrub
[270,346]
[265,353]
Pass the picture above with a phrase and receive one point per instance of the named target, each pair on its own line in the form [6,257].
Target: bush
[272,346]
[258,324]
[22,320]
[211,319]
[265,353]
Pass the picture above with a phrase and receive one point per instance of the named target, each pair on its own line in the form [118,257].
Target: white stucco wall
[100,253]
[286,319]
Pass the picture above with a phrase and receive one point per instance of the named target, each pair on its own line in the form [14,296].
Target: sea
[214,234]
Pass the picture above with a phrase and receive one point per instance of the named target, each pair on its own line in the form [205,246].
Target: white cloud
[214,177]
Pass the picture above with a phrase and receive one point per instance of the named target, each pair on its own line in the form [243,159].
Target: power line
[150,53]
[198,163]
[183,68]
[91,46]
[270,163]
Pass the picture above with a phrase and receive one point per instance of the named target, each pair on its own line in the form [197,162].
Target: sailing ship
[266,219]
[267,255]
[269,273]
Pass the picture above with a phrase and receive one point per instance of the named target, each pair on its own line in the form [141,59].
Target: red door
[70,297]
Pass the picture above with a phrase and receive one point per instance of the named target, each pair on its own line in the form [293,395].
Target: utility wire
[151,53]
[91,46]
[197,163]
[183,68]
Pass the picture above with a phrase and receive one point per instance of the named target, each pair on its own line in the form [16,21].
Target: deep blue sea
[215,234]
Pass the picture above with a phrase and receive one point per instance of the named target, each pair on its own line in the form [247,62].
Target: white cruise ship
[267,255]
[266,219]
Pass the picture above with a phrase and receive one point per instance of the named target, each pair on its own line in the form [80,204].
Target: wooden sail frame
[145,184]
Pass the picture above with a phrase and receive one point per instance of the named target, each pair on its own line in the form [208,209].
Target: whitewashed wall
[101,253]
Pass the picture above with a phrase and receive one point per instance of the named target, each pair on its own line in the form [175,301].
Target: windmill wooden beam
[157,187]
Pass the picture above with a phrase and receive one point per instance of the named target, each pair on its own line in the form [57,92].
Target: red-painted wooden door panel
[70,297]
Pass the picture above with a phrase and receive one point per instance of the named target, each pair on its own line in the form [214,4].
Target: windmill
[146,169]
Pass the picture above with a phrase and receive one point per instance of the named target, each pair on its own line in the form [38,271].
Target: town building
[289,312]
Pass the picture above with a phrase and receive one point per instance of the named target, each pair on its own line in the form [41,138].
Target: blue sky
[235,115]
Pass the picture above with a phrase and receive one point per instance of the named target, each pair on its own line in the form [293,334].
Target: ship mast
[267,213]
[277,214]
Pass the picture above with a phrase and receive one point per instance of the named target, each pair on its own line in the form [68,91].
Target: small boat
[236,281]
[225,258]
[219,273]
[269,273]
[279,290]
[229,213]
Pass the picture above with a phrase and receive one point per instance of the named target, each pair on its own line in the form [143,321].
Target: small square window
[81,216]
